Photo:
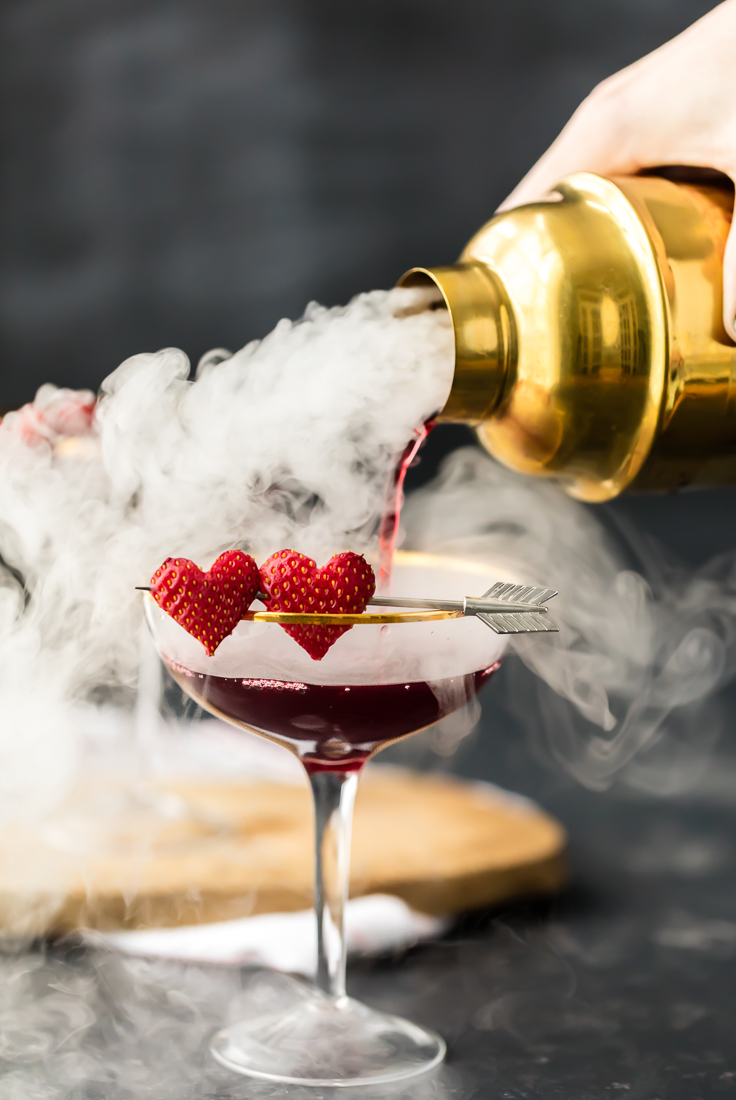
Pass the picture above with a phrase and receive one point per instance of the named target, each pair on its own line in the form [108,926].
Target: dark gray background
[187,172]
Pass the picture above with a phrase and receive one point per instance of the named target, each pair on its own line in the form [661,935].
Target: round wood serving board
[441,844]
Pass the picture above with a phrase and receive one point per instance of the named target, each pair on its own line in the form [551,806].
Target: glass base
[323,1041]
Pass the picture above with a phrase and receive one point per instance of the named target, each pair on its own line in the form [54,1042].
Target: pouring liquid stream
[389,527]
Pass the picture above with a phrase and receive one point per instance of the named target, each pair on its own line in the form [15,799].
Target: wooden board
[441,844]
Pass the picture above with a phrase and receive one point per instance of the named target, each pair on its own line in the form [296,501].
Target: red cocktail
[330,727]
[388,677]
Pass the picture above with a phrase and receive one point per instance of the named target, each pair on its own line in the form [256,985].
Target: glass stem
[334,798]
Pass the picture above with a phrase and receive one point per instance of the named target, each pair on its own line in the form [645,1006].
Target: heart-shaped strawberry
[208,605]
[293,582]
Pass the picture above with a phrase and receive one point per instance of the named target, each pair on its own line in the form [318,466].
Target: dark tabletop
[623,984]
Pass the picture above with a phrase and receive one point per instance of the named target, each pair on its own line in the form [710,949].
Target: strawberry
[293,582]
[208,605]
[53,413]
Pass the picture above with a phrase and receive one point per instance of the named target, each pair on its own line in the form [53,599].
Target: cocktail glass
[387,678]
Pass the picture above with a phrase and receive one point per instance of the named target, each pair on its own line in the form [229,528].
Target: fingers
[677,105]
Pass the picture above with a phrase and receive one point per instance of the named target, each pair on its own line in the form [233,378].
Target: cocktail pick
[505,608]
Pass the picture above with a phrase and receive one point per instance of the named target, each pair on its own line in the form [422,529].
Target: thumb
[729,283]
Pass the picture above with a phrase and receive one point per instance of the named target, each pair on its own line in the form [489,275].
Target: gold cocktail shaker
[589,338]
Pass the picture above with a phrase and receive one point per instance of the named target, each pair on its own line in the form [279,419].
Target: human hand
[676,106]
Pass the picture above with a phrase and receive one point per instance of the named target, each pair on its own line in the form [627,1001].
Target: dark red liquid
[389,528]
[331,728]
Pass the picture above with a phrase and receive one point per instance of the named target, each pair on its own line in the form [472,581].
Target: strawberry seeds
[210,605]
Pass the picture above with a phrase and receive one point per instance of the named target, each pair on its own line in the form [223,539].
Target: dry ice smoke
[105,1027]
[635,655]
[290,442]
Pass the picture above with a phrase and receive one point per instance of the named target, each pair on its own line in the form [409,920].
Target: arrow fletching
[506,622]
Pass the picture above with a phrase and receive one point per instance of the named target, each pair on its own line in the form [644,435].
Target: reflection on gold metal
[589,338]
[367,619]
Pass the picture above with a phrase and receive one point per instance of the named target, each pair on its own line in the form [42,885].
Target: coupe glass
[380,682]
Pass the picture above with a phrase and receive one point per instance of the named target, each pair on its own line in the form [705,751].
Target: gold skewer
[505,608]
[367,619]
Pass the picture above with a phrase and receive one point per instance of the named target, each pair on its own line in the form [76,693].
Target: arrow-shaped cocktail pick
[506,608]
